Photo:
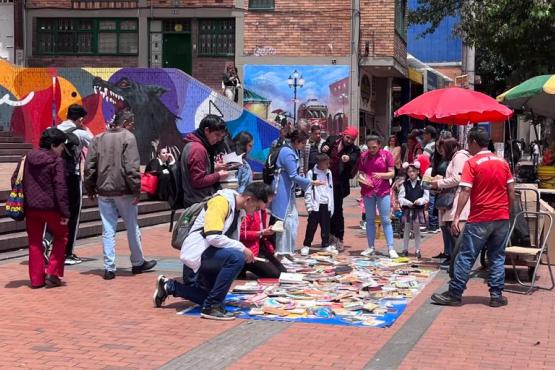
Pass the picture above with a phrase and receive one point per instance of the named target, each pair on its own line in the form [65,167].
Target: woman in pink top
[449,150]
[375,167]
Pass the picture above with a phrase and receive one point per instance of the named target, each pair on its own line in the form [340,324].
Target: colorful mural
[167,104]
[322,99]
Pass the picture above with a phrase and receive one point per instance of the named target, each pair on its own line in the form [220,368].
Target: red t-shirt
[488,176]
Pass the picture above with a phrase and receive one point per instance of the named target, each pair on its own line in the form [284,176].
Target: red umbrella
[455,106]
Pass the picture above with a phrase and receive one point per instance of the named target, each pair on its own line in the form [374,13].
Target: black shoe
[72,260]
[147,265]
[216,312]
[446,299]
[418,255]
[440,256]
[109,275]
[404,253]
[53,281]
[498,302]
[160,294]
[445,264]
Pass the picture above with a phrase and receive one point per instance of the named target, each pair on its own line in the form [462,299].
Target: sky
[270,82]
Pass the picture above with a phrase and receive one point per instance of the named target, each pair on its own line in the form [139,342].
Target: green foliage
[515,39]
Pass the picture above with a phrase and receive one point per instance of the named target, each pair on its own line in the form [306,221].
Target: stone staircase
[13,235]
[12,148]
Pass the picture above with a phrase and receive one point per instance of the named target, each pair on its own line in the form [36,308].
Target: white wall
[6,32]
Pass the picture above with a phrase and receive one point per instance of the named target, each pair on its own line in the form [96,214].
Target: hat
[75,111]
[351,131]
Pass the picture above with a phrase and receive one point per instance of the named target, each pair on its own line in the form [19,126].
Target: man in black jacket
[343,155]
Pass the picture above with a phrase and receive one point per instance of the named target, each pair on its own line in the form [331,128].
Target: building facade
[7,49]
[346,52]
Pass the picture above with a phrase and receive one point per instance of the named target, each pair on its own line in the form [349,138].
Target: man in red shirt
[487,181]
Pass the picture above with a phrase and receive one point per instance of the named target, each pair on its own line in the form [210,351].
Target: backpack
[175,189]
[315,177]
[270,166]
[72,153]
[186,222]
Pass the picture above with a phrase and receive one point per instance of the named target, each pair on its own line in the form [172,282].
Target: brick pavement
[93,324]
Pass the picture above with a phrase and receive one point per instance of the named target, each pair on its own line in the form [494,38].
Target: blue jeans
[285,241]
[110,209]
[448,239]
[219,267]
[433,220]
[384,206]
[477,235]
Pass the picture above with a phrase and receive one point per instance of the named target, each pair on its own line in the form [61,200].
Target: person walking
[487,181]
[78,140]
[112,173]
[376,167]
[283,206]
[46,205]
[319,205]
[213,251]
[535,150]
[344,155]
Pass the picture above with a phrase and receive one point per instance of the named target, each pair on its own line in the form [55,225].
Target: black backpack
[270,166]
[72,153]
[175,189]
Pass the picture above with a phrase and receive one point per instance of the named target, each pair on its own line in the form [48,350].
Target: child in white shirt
[319,204]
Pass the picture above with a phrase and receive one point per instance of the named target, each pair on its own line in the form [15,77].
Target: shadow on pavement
[18,284]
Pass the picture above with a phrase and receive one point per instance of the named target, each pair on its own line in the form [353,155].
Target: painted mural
[167,104]
[322,99]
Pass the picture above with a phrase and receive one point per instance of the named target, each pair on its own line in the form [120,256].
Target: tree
[514,39]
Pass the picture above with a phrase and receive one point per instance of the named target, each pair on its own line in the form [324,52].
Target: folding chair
[535,253]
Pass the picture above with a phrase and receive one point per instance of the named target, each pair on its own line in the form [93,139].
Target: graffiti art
[167,104]
[323,97]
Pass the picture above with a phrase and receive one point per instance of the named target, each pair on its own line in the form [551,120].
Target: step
[7,225]
[13,152]
[11,139]
[22,146]
[87,203]
[87,229]
[10,158]
[6,134]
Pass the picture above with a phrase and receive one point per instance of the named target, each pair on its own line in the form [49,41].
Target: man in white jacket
[213,251]
[319,204]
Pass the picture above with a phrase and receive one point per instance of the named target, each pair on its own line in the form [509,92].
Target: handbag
[149,183]
[15,204]
[446,198]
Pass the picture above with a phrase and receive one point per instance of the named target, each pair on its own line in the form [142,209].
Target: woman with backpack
[283,207]
[46,204]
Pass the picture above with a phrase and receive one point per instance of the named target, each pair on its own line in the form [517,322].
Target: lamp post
[295,81]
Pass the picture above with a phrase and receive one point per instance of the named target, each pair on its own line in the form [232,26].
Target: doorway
[177,52]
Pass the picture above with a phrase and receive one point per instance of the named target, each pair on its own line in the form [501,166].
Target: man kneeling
[213,251]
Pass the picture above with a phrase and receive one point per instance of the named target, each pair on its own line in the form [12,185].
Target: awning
[416,76]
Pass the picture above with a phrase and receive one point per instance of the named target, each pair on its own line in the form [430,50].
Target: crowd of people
[428,183]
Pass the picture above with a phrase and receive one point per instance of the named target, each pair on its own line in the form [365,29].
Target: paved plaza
[95,324]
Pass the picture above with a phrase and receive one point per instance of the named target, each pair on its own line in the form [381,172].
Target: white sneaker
[305,251]
[393,254]
[363,225]
[368,252]
[331,249]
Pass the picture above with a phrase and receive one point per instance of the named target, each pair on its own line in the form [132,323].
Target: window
[261,4]
[216,37]
[87,36]
[401,18]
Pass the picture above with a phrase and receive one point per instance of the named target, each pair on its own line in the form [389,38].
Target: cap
[351,131]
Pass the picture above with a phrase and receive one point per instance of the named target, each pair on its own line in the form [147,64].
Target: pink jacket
[452,179]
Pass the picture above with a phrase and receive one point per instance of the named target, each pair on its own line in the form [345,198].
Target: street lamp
[295,80]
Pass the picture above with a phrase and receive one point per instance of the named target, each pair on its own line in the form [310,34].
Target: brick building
[201,37]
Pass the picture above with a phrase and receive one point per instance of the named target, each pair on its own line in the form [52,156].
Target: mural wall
[167,104]
[322,99]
